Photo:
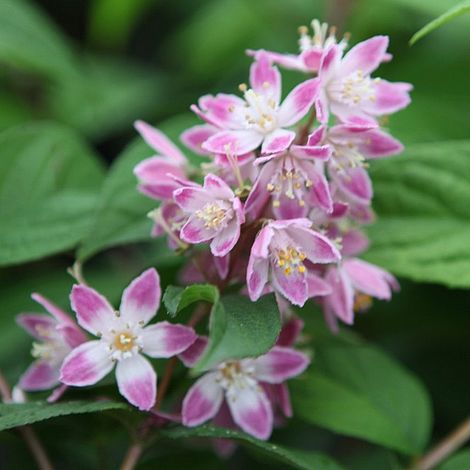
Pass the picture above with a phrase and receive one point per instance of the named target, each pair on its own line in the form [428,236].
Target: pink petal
[264,78]
[222,265]
[369,279]
[55,311]
[226,239]
[287,61]
[202,401]
[319,194]
[317,247]
[72,335]
[277,141]
[321,107]
[165,339]
[259,194]
[309,152]
[341,300]
[356,184]
[330,60]
[194,231]
[218,110]
[292,286]
[217,187]
[283,399]
[191,355]
[298,102]
[137,381]
[159,142]
[317,287]
[141,299]
[224,447]
[260,248]
[280,364]
[39,326]
[312,58]
[195,136]
[365,56]
[191,199]
[256,276]
[94,313]
[237,142]
[354,242]
[317,136]
[252,411]
[86,364]
[378,144]
[389,98]
[39,376]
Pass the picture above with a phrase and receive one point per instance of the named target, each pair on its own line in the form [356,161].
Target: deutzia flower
[123,338]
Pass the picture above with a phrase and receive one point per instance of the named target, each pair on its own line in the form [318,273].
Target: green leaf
[178,298]
[13,415]
[121,212]
[240,328]
[29,40]
[459,461]
[356,390]
[48,180]
[423,203]
[449,15]
[294,458]
[113,96]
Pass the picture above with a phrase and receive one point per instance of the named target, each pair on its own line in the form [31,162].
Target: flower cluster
[286,188]
[279,203]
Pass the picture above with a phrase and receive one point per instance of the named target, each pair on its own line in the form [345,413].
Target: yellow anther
[301,269]
[242,87]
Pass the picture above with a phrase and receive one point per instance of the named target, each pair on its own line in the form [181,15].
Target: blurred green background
[85,70]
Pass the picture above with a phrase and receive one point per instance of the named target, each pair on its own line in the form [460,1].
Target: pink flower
[240,383]
[157,174]
[353,284]
[283,254]
[352,145]
[294,181]
[311,49]
[215,214]
[260,118]
[57,335]
[123,336]
[347,89]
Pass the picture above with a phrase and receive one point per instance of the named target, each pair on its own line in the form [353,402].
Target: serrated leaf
[422,199]
[449,15]
[177,298]
[121,212]
[13,415]
[240,328]
[355,389]
[48,179]
[294,458]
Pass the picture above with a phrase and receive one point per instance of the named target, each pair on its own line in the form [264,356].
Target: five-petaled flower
[240,383]
[215,214]
[57,334]
[123,336]
[283,254]
[260,118]
[349,92]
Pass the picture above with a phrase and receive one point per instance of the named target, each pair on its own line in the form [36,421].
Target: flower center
[259,112]
[124,341]
[290,182]
[346,156]
[355,89]
[52,351]
[213,215]
[234,376]
[291,260]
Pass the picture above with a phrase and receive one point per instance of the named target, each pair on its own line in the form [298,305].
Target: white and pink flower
[347,88]
[353,284]
[122,339]
[215,213]
[240,384]
[56,334]
[283,255]
[158,175]
[294,181]
[258,119]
